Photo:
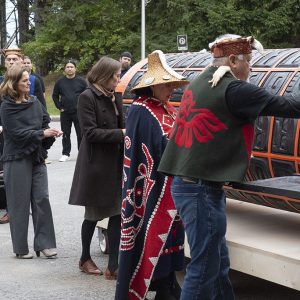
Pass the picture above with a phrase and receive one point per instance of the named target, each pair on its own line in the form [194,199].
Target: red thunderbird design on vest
[194,122]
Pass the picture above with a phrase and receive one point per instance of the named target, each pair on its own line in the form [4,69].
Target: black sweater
[66,92]
[247,101]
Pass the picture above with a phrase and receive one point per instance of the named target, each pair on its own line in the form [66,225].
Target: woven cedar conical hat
[159,73]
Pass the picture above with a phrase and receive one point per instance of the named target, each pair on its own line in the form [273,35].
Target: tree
[23,18]
[41,8]
[274,22]
[85,30]
[3,32]
[81,30]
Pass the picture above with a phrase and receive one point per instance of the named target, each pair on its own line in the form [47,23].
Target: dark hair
[126,54]
[70,61]
[146,91]
[103,70]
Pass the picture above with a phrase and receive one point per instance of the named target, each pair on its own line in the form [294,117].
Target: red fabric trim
[236,47]
[162,217]
[248,134]
[162,220]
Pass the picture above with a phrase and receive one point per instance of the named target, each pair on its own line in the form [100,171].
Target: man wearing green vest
[211,144]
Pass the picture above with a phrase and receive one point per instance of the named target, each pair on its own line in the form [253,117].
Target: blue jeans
[201,207]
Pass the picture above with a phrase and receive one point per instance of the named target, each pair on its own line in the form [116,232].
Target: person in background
[35,74]
[210,145]
[65,96]
[97,177]
[125,60]
[152,235]
[13,57]
[37,86]
[27,137]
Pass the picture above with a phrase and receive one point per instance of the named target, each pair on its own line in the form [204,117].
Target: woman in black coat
[98,173]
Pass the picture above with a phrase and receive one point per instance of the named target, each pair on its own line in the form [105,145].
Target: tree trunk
[23,18]
[3,32]
[40,8]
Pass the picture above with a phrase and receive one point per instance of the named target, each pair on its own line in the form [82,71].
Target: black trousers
[66,120]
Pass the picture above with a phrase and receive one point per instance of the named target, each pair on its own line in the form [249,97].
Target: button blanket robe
[152,234]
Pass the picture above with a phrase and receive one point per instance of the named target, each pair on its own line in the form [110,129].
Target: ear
[232,61]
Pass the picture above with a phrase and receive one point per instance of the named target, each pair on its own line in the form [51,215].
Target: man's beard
[126,67]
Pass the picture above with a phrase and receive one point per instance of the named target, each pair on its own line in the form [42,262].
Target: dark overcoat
[98,172]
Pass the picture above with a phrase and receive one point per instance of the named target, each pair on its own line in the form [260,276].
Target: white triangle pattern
[163,237]
[153,260]
[172,212]
[147,282]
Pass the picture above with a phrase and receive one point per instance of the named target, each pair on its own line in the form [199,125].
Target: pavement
[60,278]
[55,118]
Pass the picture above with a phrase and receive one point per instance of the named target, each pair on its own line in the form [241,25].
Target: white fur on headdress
[226,36]
[256,45]
[219,73]
[166,66]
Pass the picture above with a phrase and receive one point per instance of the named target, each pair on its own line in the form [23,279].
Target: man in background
[13,56]
[65,96]
[36,82]
[125,60]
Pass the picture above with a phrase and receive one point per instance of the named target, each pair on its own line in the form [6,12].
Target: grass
[49,81]
[52,110]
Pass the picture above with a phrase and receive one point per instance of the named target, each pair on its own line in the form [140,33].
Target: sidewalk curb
[55,118]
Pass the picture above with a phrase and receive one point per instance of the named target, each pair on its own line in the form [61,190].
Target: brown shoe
[89,267]
[4,219]
[110,275]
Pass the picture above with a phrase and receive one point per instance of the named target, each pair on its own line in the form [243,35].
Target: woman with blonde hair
[27,137]
[98,172]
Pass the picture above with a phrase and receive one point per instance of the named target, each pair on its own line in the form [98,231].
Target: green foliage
[52,110]
[85,30]
[275,23]
[81,30]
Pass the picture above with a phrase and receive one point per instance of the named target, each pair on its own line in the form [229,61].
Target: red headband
[232,46]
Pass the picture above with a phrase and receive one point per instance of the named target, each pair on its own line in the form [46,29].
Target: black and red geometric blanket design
[152,236]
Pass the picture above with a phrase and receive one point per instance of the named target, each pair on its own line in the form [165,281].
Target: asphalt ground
[60,278]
